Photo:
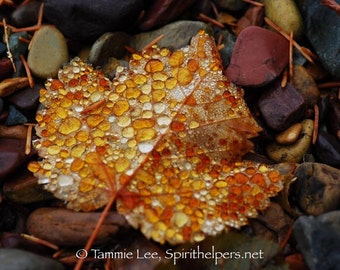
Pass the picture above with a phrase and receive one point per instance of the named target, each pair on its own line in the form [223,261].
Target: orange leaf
[166,135]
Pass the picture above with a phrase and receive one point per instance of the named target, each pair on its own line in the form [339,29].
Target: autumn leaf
[166,137]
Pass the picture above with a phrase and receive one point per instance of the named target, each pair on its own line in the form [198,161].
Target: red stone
[259,57]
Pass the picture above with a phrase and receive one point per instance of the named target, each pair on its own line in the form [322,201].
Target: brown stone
[9,86]
[290,135]
[68,228]
[259,57]
[317,188]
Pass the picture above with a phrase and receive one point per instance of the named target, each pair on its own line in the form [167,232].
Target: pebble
[333,118]
[16,259]
[177,35]
[281,107]
[16,46]
[9,86]
[292,152]
[322,30]
[327,149]
[26,100]
[290,135]
[317,188]
[228,40]
[12,156]
[24,189]
[162,12]
[252,17]
[65,227]
[48,52]
[232,5]
[108,45]
[15,240]
[3,49]
[259,57]
[87,20]
[305,84]
[6,68]
[13,132]
[26,15]
[15,117]
[1,105]
[286,15]
[318,239]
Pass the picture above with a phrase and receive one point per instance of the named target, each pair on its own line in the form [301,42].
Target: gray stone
[108,45]
[87,20]
[323,31]
[15,117]
[16,259]
[327,149]
[16,46]
[228,40]
[318,239]
[48,52]
[177,35]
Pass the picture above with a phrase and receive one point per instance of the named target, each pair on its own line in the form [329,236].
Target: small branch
[206,18]
[297,46]
[9,54]
[153,42]
[316,124]
[28,145]
[254,3]
[28,71]
[329,85]
[291,57]
[284,78]
[39,241]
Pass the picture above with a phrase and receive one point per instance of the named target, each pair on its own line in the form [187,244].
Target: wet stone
[16,46]
[24,189]
[48,52]
[13,132]
[6,68]
[19,260]
[290,135]
[322,26]
[1,105]
[233,5]
[9,86]
[3,49]
[66,227]
[26,15]
[333,118]
[87,20]
[26,100]
[318,239]
[281,107]
[327,149]
[162,12]
[228,40]
[286,15]
[252,17]
[293,152]
[305,84]
[108,45]
[12,156]
[317,188]
[15,117]
[259,57]
[178,35]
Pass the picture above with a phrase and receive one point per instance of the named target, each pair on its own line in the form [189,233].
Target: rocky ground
[284,54]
